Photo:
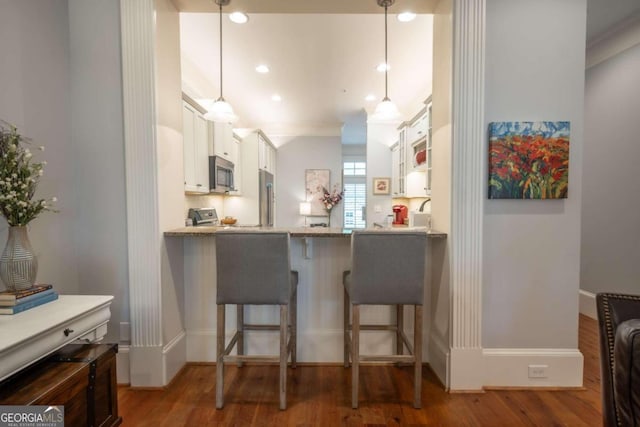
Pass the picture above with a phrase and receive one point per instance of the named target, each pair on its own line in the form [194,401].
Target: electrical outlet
[538,371]
[377,209]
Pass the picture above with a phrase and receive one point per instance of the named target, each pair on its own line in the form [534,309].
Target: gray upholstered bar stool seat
[254,268]
[387,268]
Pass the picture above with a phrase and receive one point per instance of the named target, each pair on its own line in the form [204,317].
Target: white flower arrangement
[19,178]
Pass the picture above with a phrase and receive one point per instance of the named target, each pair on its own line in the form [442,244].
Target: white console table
[33,334]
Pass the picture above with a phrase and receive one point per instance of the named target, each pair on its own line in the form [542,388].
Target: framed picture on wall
[381,186]
[316,182]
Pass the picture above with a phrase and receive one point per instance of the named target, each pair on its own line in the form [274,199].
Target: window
[355,194]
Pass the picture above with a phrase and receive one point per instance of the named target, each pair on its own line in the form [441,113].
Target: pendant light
[386,111]
[221,110]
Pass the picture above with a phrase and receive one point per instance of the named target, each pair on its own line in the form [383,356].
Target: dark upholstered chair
[619,326]
[388,268]
[254,268]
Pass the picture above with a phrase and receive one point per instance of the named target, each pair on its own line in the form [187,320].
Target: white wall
[379,138]
[292,159]
[441,188]
[171,200]
[610,258]
[534,71]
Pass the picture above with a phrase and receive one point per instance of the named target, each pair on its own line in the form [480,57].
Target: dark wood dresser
[81,377]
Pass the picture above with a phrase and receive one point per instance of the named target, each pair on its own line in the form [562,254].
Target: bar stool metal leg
[283,357]
[417,352]
[240,329]
[220,358]
[355,354]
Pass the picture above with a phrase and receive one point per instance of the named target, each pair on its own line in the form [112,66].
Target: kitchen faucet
[421,209]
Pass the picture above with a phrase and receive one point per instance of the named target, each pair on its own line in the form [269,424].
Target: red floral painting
[528,160]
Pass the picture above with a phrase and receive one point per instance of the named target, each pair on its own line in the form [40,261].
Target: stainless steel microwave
[220,175]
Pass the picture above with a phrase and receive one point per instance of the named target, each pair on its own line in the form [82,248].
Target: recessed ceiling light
[276,98]
[370,97]
[382,67]
[239,17]
[406,16]
[263,69]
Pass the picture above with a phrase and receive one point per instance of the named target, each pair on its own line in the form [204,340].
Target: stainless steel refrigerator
[266,199]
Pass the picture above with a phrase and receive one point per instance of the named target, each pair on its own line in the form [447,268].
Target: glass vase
[328,218]
[18,263]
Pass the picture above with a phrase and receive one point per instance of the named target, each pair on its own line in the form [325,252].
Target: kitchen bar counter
[320,255]
[295,231]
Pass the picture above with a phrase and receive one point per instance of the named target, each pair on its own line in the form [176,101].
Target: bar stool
[254,268]
[388,268]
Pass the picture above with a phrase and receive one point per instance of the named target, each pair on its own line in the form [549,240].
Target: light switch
[377,209]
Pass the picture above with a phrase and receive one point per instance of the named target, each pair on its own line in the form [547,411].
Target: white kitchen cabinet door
[266,156]
[223,144]
[196,158]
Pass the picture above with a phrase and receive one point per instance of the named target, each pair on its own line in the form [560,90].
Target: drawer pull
[67,332]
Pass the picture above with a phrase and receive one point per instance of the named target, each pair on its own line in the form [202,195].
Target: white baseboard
[174,356]
[439,358]
[171,359]
[505,367]
[588,304]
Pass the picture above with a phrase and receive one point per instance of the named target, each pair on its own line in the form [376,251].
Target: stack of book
[17,301]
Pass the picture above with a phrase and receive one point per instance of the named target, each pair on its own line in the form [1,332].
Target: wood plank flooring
[320,396]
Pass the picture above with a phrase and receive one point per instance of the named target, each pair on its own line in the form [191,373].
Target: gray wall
[60,84]
[534,71]
[100,225]
[292,159]
[610,259]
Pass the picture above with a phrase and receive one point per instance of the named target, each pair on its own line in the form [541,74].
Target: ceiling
[322,65]
[322,57]
[603,15]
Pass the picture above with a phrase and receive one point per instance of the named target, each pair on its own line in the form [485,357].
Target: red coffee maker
[400,213]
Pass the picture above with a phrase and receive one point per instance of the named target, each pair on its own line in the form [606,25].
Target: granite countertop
[295,231]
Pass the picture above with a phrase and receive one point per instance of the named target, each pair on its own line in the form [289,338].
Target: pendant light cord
[386,61]
[221,98]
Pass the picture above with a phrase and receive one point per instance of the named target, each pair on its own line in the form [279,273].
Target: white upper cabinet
[223,143]
[196,156]
[266,155]
[411,157]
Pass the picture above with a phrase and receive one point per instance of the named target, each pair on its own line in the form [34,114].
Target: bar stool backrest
[253,267]
[387,267]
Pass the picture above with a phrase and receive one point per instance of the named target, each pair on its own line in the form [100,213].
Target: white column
[468,183]
[138,77]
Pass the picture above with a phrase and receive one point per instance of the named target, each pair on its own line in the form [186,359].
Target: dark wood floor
[320,396]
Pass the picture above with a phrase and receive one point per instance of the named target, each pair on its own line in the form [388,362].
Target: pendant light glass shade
[221,110]
[386,111]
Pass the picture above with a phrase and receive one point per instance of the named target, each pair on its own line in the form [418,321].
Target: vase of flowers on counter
[19,178]
[330,200]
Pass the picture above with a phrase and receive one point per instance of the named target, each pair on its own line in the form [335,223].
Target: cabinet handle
[226,154]
[198,185]
[67,332]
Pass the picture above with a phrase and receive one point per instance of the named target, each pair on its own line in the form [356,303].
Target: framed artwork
[381,186]
[316,181]
[528,160]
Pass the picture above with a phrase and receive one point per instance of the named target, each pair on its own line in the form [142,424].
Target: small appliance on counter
[400,213]
[203,216]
